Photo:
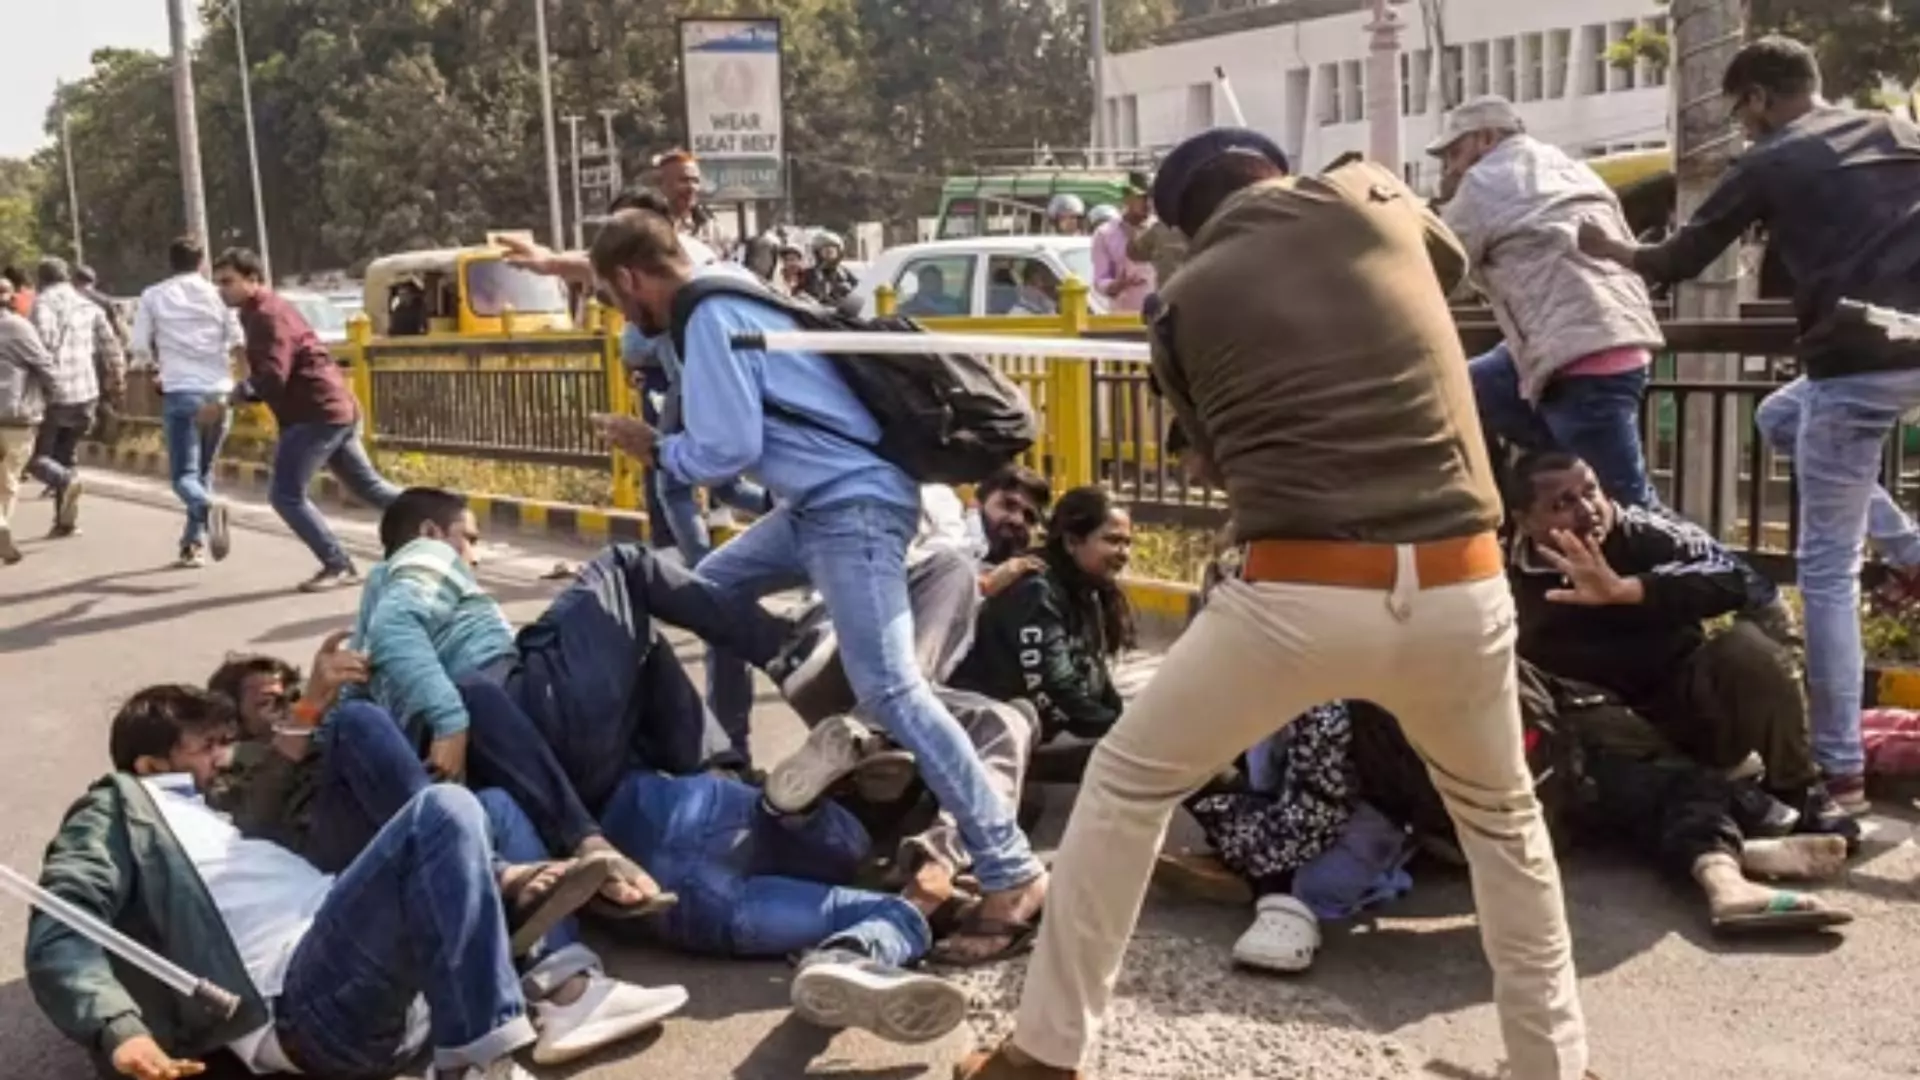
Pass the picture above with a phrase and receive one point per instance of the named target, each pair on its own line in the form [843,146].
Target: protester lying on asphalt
[412,944]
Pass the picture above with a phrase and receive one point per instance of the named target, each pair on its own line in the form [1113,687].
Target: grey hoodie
[26,372]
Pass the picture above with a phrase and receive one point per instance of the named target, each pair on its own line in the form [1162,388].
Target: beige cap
[1489,113]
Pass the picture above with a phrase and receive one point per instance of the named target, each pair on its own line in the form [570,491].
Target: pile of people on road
[1455,619]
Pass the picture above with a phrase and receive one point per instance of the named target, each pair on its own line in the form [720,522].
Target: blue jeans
[192,451]
[368,771]
[516,841]
[302,451]
[1594,416]
[603,686]
[505,750]
[417,913]
[1889,528]
[1844,424]
[752,884]
[855,553]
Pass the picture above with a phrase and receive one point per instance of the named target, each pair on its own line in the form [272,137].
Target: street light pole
[186,124]
[73,188]
[573,137]
[253,145]
[1097,52]
[558,230]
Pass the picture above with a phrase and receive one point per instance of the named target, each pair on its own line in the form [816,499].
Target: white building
[1298,69]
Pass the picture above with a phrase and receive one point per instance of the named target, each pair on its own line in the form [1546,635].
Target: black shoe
[1821,815]
[808,671]
[1761,816]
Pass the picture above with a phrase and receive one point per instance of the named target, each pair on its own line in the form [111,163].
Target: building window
[1479,69]
[1505,70]
[1593,59]
[1422,82]
[1199,107]
[1453,76]
[1330,96]
[1353,80]
[1406,84]
[1533,67]
[1559,57]
[1620,78]
[1653,74]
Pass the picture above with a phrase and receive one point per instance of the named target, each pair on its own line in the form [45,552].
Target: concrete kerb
[1162,608]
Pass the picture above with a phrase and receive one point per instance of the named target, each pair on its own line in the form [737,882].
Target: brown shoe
[996,1065]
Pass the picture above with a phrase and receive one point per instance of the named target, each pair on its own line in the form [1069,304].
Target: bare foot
[1805,858]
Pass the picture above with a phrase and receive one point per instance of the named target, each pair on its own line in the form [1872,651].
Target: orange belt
[1354,565]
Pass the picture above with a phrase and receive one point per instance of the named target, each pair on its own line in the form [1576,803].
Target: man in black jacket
[1619,598]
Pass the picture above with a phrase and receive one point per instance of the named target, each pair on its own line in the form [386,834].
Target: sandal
[537,898]
[620,867]
[1785,913]
[972,924]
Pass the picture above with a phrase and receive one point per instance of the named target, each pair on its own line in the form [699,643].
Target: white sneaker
[839,989]
[607,1013]
[830,754]
[502,1069]
[1283,937]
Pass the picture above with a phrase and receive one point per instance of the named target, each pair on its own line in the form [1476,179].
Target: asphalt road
[86,621]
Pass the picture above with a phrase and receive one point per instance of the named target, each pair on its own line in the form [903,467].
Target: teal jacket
[425,621]
[116,859]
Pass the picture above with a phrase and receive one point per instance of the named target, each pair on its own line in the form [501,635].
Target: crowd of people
[1454,618]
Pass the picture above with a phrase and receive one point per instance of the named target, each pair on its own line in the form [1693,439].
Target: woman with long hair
[1049,638]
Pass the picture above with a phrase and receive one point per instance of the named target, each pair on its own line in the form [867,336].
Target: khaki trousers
[1440,660]
[16,449]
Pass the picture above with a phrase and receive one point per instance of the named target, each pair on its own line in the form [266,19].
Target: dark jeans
[752,884]
[368,771]
[56,446]
[1594,416]
[1738,694]
[602,684]
[505,750]
[302,451]
[1669,808]
[418,913]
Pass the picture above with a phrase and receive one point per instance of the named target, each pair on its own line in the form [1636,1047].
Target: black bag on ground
[944,418]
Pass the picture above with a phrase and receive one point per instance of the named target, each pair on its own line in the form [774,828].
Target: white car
[321,313]
[980,275]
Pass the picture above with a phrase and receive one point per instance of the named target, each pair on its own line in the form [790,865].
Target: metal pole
[579,226]
[1383,87]
[253,145]
[558,229]
[73,188]
[1097,50]
[613,151]
[187,126]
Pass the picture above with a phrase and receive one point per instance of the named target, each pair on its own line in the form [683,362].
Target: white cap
[1489,113]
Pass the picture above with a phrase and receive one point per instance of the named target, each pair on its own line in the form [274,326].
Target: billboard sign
[730,71]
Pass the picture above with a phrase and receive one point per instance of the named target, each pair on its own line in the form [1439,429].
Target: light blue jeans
[192,453]
[855,554]
[1843,424]
[1889,528]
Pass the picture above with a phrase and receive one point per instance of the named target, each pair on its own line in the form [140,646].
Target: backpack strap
[700,289]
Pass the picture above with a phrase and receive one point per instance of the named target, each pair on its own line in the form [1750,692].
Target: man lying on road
[332,972]
[1618,597]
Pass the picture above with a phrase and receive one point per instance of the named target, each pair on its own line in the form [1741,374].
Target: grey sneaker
[219,532]
[839,988]
[331,578]
[191,557]
[66,511]
[834,751]
[9,551]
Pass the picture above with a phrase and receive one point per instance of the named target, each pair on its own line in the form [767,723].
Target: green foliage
[1861,45]
[388,124]
[19,231]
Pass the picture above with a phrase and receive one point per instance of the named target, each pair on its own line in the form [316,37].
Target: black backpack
[944,419]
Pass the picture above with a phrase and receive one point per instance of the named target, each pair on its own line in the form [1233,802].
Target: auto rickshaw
[461,291]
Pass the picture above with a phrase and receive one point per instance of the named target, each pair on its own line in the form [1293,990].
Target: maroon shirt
[288,367]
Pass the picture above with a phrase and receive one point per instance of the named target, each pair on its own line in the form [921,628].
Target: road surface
[86,621]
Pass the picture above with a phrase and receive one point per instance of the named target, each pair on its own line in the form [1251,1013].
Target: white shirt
[266,895]
[190,332]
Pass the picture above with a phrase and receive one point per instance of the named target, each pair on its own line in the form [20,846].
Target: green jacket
[268,795]
[115,858]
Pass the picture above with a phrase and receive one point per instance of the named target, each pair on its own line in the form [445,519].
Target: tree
[19,231]
[1861,46]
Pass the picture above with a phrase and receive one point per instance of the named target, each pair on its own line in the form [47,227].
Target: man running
[1329,397]
[319,420]
[1836,189]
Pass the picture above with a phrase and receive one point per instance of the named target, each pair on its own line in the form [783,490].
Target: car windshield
[1079,262]
[493,286]
[322,314]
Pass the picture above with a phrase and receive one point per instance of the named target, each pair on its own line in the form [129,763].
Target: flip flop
[619,866]
[531,918]
[1020,940]
[1783,915]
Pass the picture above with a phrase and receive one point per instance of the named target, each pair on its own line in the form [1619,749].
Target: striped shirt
[78,336]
